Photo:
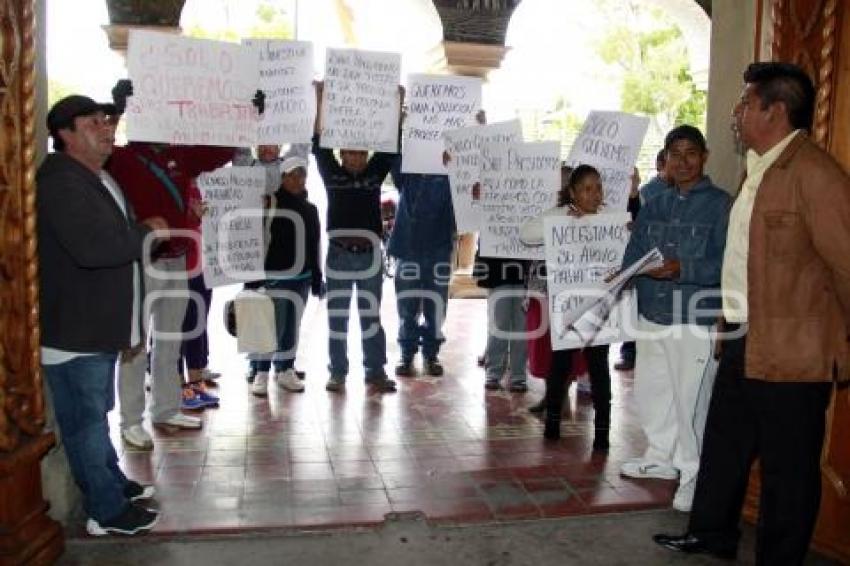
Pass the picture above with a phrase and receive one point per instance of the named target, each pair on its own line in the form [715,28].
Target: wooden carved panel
[21,402]
[806,32]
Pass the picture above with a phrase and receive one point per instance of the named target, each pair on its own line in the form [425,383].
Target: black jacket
[281,253]
[86,250]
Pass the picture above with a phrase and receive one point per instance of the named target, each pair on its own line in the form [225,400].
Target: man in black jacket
[89,252]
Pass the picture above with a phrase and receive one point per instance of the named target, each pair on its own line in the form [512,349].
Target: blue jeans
[345,270]
[422,289]
[83,392]
[506,340]
[289,298]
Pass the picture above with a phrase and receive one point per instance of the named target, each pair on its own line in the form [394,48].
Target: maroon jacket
[134,166]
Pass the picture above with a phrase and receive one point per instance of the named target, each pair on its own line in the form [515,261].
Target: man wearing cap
[292,267]
[156,178]
[677,306]
[89,249]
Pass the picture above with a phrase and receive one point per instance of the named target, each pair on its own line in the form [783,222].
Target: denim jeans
[83,392]
[195,351]
[289,298]
[506,340]
[346,270]
[422,289]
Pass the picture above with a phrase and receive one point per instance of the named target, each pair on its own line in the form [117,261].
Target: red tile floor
[442,446]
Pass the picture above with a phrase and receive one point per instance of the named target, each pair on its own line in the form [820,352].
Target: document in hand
[587,320]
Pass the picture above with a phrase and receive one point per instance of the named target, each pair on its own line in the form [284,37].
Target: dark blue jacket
[425,220]
[691,228]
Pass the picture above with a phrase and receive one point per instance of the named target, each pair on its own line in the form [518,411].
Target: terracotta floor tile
[442,446]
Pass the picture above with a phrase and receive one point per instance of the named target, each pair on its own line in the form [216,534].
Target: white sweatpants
[674,376]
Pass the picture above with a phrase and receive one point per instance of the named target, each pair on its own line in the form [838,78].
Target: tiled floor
[442,446]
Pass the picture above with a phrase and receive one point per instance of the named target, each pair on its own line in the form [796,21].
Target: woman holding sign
[583,195]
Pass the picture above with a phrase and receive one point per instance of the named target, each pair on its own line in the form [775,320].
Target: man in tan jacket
[786,303]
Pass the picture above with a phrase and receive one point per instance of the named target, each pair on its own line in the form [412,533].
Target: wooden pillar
[27,534]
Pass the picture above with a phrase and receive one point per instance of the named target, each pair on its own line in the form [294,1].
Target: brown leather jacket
[799,269]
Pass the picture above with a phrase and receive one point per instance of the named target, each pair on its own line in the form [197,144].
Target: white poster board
[360,100]
[519,181]
[286,78]
[464,145]
[232,228]
[435,104]
[580,254]
[610,141]
[190,91]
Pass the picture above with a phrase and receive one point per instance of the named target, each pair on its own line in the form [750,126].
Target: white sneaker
[260,387]
[643,469]
[684,497]
[137,437]
[289,381]
[179,420]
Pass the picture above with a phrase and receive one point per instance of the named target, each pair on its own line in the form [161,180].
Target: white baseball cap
[291,163]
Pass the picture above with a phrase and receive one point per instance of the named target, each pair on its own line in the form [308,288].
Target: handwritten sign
[435,103]
[232,228]
[465,146]
[286,78]
[190,91]
[580,254]
[610,141]
[518,182]
[360,102]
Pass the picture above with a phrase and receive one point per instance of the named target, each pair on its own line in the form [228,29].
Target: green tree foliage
[655,74]
[272,22]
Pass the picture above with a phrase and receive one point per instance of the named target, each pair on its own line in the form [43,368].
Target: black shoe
[433,367]
[538,408]
[405,368]
[689,544]
[301,375]
[381,382]
[552,428]
[492,385]
[625,365]
[133,520]
[518,388]
[134,491]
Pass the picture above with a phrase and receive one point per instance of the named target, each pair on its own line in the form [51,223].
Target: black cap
[63,112]
[685,132]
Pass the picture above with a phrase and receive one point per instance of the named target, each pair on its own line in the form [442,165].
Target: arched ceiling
[471,21]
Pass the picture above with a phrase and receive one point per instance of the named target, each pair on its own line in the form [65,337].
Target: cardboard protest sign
[519,181]
[580,254]
[435,104]
[286,78]
[610,141]
[360,100]
[464,145]
[190,91]
[232,228]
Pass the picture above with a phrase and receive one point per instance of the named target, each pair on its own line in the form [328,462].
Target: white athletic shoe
[289,380]
[137,437]
[684,497]
[260,387]
[643,469]
[179,420]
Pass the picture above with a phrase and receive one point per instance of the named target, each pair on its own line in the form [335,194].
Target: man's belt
[353,244]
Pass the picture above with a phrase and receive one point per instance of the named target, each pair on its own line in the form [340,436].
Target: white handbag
[256,332]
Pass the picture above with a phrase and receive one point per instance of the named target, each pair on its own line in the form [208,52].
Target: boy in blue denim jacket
[677,305]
